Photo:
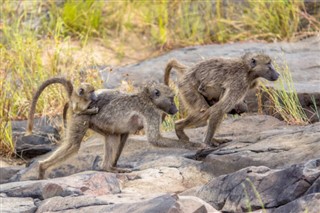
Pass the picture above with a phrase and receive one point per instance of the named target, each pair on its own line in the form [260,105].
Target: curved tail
[58,80]
[173,63]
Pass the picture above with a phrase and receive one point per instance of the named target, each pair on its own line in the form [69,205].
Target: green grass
[36,39]
[284,97]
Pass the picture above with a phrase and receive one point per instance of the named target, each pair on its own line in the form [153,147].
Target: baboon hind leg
[63,152]
[190,120]
[123,140]
[71,144]
[112,145]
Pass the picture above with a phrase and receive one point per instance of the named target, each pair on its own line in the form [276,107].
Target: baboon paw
[216,142]
[196,146]
[183,137]
[117,170]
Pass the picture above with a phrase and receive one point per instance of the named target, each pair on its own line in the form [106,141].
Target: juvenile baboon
[226,80]
[119,115]
[79,99]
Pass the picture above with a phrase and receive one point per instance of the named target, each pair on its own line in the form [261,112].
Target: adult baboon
[118,116]
[226,80]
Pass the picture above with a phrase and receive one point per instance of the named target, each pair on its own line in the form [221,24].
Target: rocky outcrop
[267,163]
[255,188]
[43,140]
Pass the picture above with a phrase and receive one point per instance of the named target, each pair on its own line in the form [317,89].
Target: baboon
[119,115]
[210,94]
[79,99]
[226,80]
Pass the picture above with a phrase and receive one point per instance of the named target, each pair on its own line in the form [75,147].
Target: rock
[18,205]
[87,183]
[255,188]
[130,203]
[260,141]
[190,204]
[43,139]
[308,203]
[7,172]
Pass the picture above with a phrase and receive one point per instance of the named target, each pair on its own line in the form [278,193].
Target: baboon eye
[253,62]
[157,93]
[81,91]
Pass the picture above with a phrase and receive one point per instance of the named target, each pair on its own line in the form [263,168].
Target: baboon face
[163,97]
[86,91]
[262,66]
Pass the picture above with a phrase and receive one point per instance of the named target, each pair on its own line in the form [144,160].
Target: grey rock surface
[17,205]
[88,183]
[255,188]
[43,139]
[285,177]
[7,172]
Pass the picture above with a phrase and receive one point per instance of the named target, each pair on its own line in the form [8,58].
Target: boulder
[255,188]
[259,141]
[87,183]
[7,172]
[17,205]
[43,139]
[123,203]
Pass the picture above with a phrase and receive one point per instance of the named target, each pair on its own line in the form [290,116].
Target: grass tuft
[284,97]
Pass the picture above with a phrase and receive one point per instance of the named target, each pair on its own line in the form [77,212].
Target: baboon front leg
[214,121]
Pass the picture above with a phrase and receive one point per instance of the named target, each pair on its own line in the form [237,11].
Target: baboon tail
[58,80]
[173,63]
[64,115]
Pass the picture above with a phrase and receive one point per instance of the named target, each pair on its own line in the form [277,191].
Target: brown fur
[119,115]
[224,80]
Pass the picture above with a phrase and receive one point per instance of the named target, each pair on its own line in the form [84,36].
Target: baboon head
[163,97]
[261,66]
[86,91]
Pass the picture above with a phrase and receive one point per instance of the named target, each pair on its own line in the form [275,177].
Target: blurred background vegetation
[41,39]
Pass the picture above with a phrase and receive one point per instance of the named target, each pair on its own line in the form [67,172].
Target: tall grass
[179,23]
[284,97]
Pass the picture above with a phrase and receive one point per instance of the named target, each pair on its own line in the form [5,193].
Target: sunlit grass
[284,97]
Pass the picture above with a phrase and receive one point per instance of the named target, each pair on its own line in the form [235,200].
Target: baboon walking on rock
[119,115]
[226,80]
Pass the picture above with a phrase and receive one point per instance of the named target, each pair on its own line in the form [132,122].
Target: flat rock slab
[302,58]
[88,183]
[270,143]
[255,188]
[17,205]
